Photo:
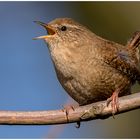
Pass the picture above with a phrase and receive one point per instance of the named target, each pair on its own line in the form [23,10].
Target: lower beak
[49,29]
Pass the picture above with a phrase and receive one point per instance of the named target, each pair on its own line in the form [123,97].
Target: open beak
[49,29]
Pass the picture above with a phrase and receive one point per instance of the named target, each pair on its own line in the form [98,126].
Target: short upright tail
[132,47]
[134,42]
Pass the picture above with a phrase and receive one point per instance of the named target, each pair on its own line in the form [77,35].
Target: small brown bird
[89,67]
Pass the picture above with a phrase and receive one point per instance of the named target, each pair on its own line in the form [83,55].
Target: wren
[89,67]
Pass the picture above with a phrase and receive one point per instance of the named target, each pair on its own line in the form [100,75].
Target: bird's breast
[88,79]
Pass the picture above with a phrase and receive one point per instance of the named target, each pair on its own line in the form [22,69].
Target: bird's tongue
[50,31]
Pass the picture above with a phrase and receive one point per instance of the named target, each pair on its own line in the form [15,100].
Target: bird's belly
[91,86]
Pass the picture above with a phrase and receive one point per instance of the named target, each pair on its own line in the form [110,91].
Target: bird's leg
[114,101]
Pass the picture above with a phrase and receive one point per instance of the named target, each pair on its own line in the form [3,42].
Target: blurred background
[27,77]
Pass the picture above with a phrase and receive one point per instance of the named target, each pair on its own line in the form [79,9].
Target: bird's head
[65,32]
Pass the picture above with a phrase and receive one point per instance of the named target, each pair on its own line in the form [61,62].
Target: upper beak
[49,29]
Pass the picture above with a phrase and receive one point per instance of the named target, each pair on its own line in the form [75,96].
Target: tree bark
[93,111]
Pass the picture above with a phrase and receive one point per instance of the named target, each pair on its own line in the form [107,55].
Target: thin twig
[97,110]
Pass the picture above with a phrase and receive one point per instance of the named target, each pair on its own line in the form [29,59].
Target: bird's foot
[66,109]
[114,101]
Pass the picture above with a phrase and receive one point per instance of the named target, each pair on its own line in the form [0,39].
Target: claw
[78,124]
[66,110]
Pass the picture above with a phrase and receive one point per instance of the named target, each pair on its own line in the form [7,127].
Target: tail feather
[134,42]
[132,47]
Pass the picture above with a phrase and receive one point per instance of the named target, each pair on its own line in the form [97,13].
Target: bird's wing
[119,58]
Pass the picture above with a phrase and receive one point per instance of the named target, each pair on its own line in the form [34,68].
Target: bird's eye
[63,28]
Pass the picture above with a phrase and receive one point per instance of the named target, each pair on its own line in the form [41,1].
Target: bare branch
[97,110]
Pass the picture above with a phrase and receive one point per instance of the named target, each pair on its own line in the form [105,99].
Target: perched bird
[89,67]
